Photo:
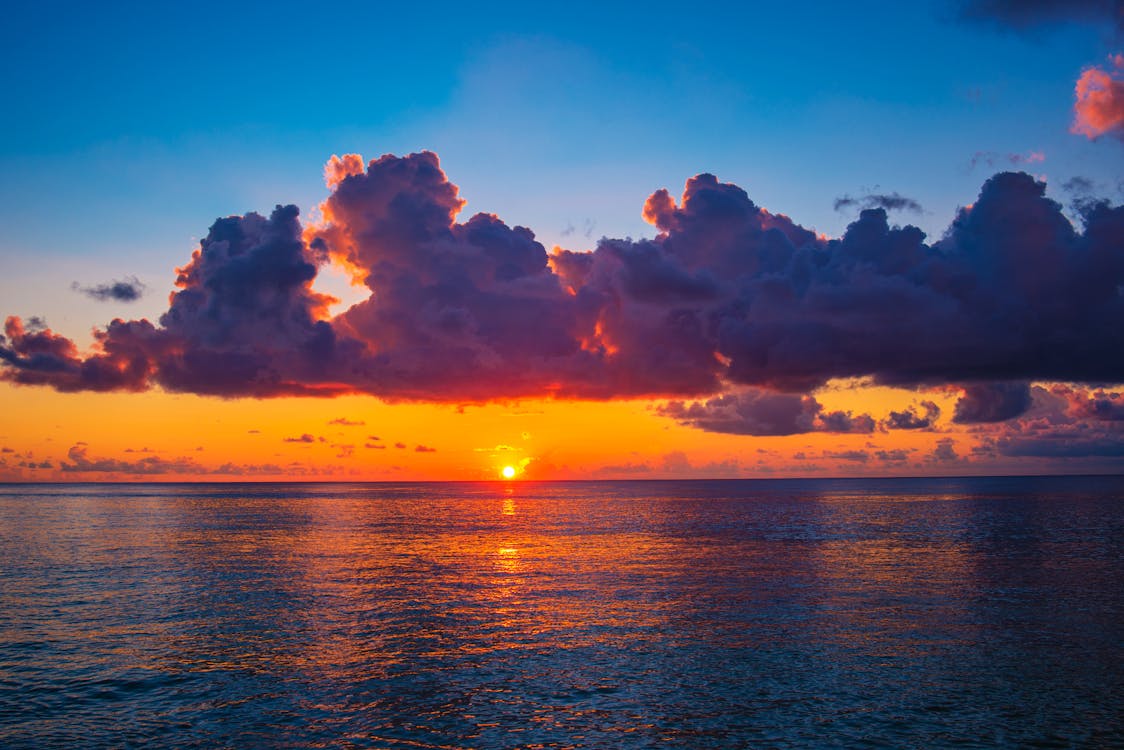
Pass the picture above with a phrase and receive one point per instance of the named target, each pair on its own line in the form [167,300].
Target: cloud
[855,456]
[994,158]
[1098,108]
[944,452]
[305,438]
[1062,423]
[345,422]
[81,462]
[727,295]
[909,419]
[675,464]
[1078,185]
[424,449]
[991,402]
[129,289]
[886,201]
[762,412]
[1027,14]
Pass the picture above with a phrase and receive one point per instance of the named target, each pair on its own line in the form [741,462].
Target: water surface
[718,614]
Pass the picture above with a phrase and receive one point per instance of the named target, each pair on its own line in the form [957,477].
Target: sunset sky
[428,242]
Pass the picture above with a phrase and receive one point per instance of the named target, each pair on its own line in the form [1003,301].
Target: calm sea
[715,614]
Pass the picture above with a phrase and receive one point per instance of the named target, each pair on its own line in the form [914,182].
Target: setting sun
[508,472]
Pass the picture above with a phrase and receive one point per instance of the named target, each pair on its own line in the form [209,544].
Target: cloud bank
[726,297]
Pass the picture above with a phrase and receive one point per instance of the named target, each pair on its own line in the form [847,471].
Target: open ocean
[907,613]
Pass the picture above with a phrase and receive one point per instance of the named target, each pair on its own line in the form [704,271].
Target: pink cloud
[1099,105]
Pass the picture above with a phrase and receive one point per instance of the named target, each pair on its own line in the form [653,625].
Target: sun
[508,472]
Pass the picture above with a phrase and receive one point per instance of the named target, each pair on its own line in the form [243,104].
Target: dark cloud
[374,446]
[400,446]
[1099,405]
[909,419]
[424,449]
[996,159]
[1061,444]
[886,201]
[945,451]
[1026,14]
[127,290]
[1078,185]
[727,295]
[756,411]
[1064,423]
[305,438]
[991,402]
[854,456]
[896,455]
[345,422]
[845,421]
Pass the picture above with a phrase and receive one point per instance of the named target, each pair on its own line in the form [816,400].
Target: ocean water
[715,614]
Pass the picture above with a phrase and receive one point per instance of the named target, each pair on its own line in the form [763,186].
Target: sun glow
[508,472]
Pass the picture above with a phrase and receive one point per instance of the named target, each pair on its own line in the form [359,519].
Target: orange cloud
[1099,108]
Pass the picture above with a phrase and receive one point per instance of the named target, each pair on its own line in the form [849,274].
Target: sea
[865,613]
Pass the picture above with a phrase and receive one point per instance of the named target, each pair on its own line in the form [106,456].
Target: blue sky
[131,129]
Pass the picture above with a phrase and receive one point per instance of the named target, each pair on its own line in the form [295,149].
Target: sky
[428,242]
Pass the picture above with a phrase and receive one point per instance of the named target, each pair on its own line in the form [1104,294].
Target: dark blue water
[859,613]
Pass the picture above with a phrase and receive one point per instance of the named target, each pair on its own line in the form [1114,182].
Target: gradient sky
[130,130]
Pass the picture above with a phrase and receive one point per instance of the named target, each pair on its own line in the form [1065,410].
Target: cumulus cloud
[1098,108]
[728,296]
[1063,422]
[756,411]
[909,419]
[127,290]
[945,451]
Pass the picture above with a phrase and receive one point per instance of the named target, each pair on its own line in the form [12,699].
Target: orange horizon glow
[160,436]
